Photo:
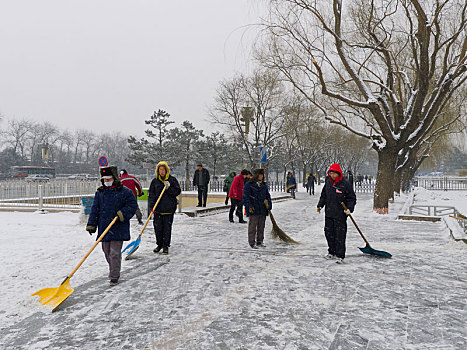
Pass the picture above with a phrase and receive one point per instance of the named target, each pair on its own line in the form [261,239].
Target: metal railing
[218,186]
[364,187]
[56,194]
[432,210]
[445,183]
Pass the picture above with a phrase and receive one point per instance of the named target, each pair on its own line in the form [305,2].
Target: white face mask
[108,183]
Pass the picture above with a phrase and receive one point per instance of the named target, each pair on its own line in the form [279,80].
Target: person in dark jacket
[254,194]
[236,195]
[134,185]
[227,184]
[291,184]
[112,199]
[165,210]
[335,191]
[201,180]
[310,184]
[350,177]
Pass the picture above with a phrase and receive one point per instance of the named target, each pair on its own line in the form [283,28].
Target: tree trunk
[384,180]
[397,182]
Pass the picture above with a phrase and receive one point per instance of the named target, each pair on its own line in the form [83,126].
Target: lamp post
[247,115]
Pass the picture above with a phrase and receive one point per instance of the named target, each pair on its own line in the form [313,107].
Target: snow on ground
[457,199]
[214,292]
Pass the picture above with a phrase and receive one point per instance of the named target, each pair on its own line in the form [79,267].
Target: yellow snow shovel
[55,296]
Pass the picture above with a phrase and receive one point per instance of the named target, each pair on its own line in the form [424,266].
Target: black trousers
[202,195]
[336,232]
[311,190]
[236,205]
[163,229]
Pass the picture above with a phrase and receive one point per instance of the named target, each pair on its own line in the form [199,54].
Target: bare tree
[387,69]
[250,109]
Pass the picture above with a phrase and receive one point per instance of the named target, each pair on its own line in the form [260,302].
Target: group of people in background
[117,199]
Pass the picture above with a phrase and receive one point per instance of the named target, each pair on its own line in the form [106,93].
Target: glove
[318,209]
[251,210]
[347,211]
[91,229]
[120,216]
[167,184]
[141,194]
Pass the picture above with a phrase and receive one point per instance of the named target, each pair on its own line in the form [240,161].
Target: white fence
[446,183]
[56,194]
[25,190]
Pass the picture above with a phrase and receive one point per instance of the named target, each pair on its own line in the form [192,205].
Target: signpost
[102,162]
[263,154]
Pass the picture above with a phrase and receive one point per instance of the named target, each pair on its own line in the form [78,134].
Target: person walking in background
[165,210]
[254,194]
[291,184]
[350,177]
[335,191]
[134,185]
[310,184]
[201,180]
[112,199]
[236,196]
[227,184]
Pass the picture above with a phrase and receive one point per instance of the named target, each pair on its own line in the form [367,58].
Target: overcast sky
[107,64]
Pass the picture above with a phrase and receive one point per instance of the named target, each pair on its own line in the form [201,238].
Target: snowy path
[213,292]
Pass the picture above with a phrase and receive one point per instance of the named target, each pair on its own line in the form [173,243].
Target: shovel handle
[356,226]
[92,248]
[151,212]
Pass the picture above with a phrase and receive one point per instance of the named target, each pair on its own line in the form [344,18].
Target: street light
[247,115]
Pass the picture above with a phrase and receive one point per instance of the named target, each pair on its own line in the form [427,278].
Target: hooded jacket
[336,192]
[168,203]
[107,202]
[228,181]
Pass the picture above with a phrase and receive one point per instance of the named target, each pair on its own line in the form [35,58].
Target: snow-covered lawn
[457,199]
[214,292]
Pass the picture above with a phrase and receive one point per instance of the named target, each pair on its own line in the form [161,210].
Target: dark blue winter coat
[333,194]
[254,196]
[291,182]
[107,201]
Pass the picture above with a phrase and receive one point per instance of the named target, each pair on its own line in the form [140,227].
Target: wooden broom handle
[356,226]
[151,212]
[92,248]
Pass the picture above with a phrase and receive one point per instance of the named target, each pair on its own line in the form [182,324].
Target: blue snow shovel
[133,246]
[367,249]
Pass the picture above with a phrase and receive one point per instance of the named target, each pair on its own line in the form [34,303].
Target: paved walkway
[213,292]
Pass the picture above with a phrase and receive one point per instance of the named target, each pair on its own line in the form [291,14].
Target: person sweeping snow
[165,210]
[336,190]
[254,194]
[112,199]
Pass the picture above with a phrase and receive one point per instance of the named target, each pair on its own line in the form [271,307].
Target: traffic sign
[102,161]
[263,154]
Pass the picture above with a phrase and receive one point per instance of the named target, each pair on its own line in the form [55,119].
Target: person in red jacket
[236,195]
[134,185]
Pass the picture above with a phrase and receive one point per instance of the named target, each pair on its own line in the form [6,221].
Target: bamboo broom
[276,231]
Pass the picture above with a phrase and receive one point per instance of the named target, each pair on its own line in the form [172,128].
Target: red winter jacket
[236,189]
[132,183]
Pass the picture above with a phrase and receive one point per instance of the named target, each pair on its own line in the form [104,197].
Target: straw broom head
[276,231]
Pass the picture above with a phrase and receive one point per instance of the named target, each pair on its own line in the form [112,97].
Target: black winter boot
[165,251]
[157,249]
